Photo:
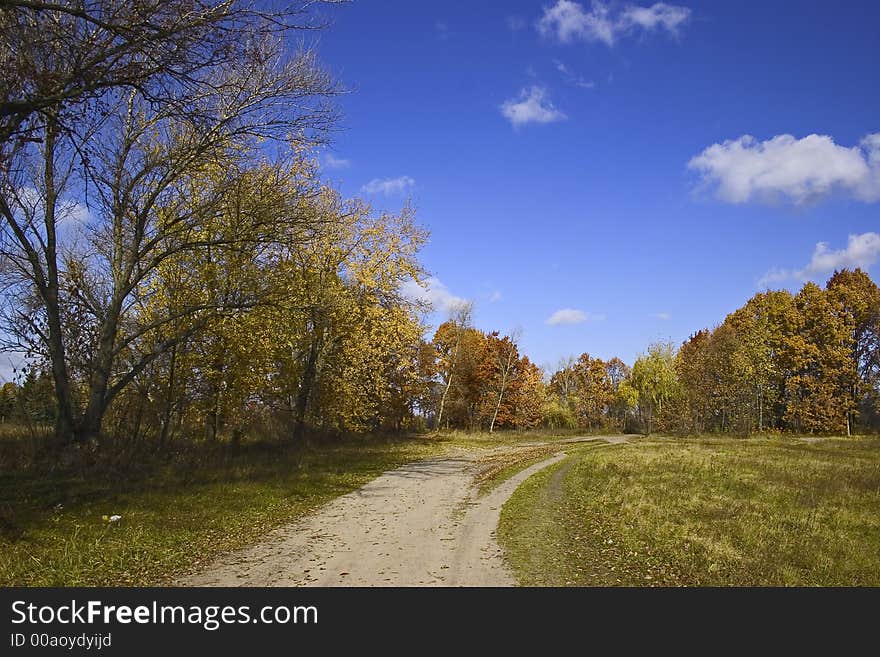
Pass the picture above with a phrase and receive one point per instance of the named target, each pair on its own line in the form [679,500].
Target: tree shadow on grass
[74,480]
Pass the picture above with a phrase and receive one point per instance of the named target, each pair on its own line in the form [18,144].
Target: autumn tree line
[802,363]
[173,267]
[808,363]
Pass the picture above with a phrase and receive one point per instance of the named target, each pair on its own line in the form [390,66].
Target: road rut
[422,524]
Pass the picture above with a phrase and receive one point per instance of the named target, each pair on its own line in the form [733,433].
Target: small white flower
[115,518]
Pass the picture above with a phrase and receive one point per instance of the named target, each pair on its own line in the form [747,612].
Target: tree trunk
[169,400]
[64,418]
[90,425]
[505,375]
[64,423]
[495,414]
[138,418]
[760,411]
[214,418]
[443,401]
[305,388]
[235,442]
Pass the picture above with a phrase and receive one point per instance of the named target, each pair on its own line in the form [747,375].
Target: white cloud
[74,211]
[569,21]
[67,211]
[572,316]
[388,186]
[532,106]
[799,170]
[567,316]
[434,293]
[861,251]
[330,161]
[663,316]
[775,276]
[668,17]
[495,296]
[573,78]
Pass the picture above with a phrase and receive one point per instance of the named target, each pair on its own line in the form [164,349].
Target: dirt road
[419,525]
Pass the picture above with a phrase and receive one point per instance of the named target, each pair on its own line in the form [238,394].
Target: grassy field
[180,512]
[696,512]
[176,515]
[653,512]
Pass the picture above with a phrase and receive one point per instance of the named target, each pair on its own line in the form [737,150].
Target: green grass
[175,516]
[696,512]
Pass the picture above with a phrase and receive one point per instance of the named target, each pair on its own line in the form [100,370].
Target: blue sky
[588,157]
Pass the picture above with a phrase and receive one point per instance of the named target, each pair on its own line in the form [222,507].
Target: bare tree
[140,116]
[63,58]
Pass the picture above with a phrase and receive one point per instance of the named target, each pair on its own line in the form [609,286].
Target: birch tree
[448,340]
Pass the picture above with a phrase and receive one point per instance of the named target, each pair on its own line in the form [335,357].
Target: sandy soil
[419,525]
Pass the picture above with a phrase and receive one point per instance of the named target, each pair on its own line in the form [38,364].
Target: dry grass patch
[700,512]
